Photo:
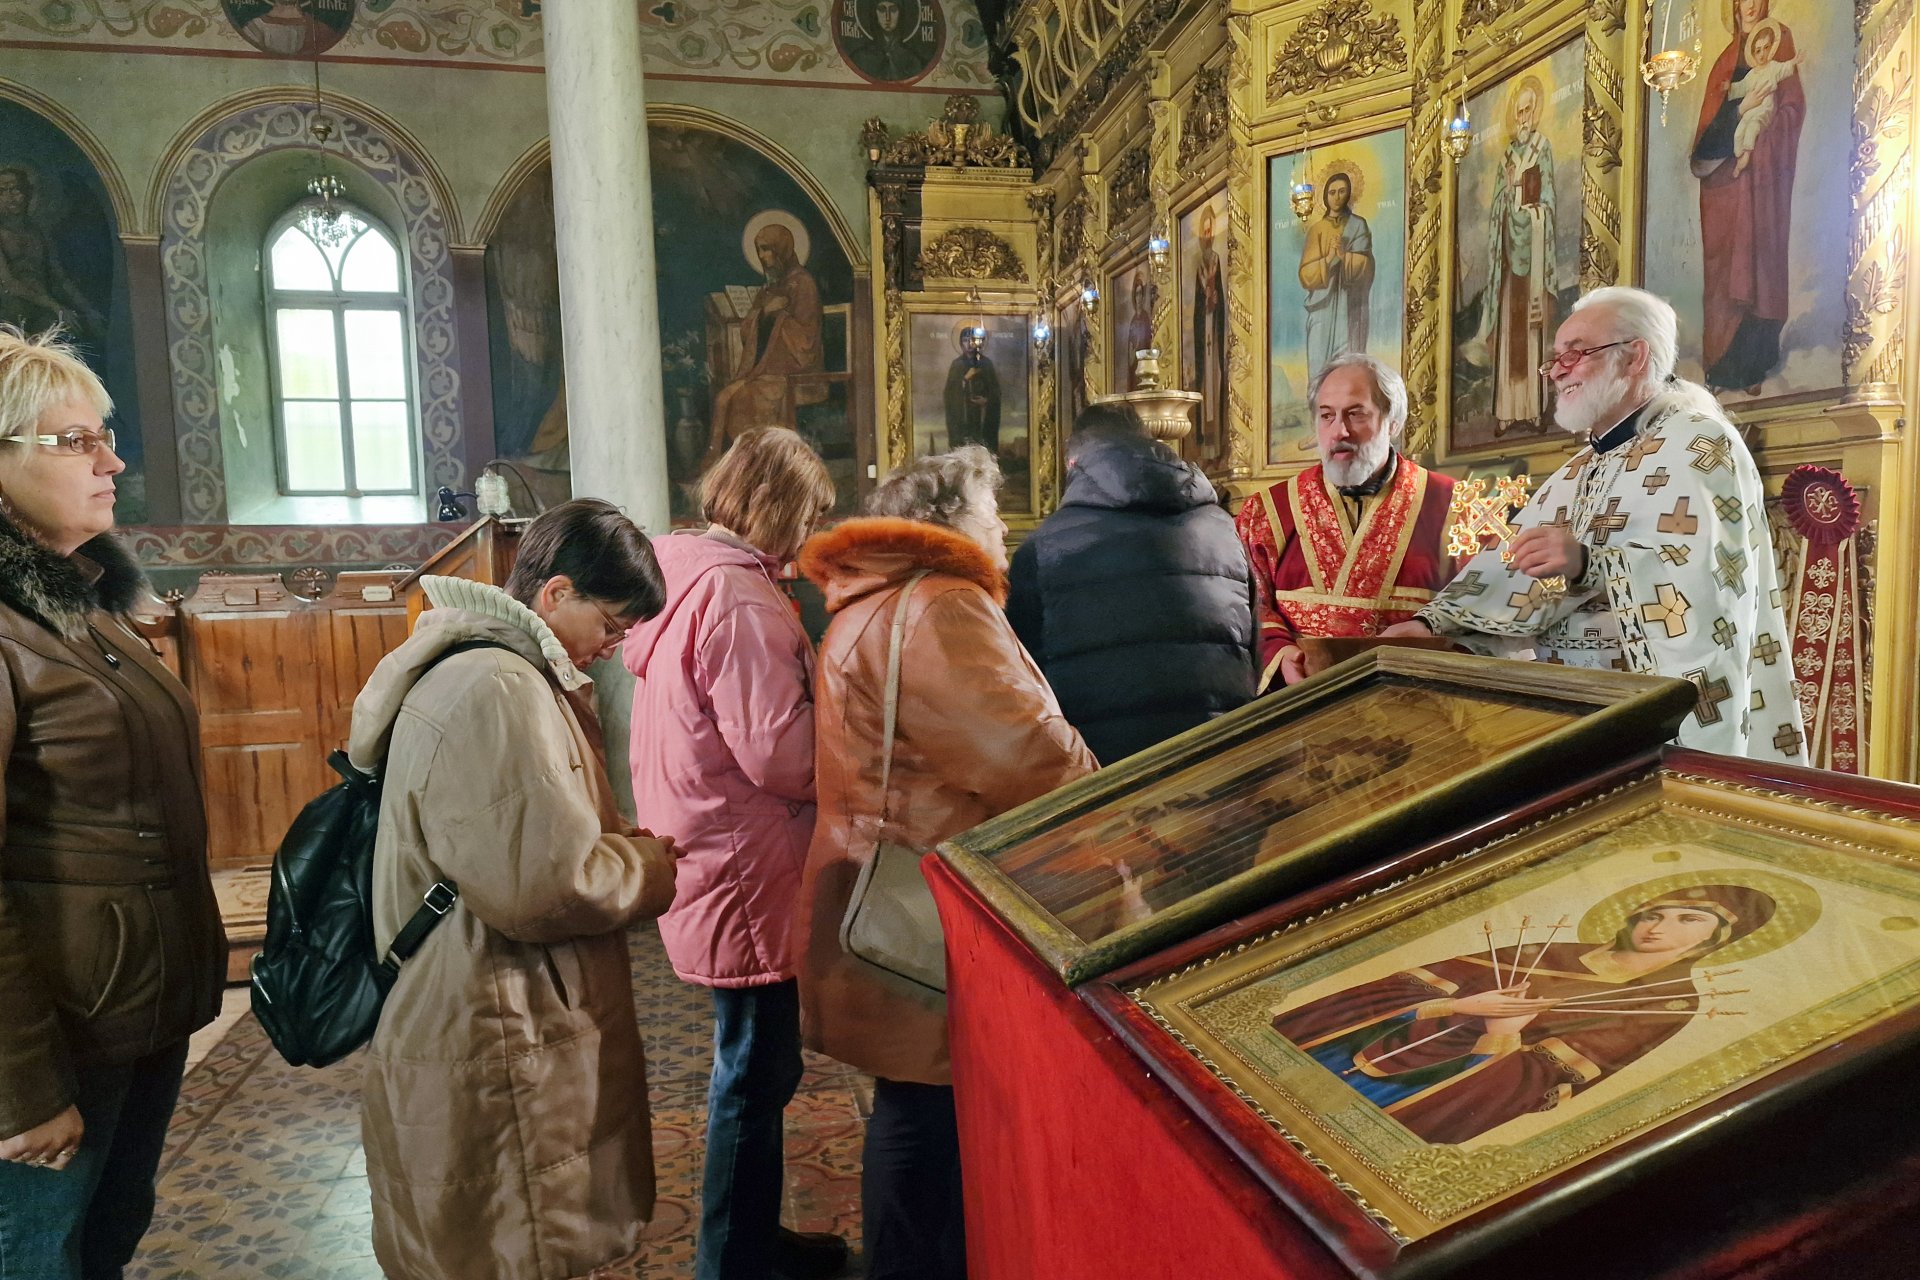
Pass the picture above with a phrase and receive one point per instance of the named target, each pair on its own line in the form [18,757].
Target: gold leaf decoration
[1602,130]
[1206,115]
[970,253]
[1610,16]
[1073,229]
[1475,14]
[1341,42]
[1130,186]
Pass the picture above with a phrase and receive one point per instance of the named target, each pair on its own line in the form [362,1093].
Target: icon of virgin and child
[1460,1046]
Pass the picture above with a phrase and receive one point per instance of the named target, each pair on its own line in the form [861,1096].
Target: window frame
[338,302]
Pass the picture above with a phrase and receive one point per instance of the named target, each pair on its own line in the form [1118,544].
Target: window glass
[371,266]
[297,264]
[316,459]
[382,445]
[376,355]
[308,354]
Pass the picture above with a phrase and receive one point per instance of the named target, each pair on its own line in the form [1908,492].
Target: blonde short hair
[943,489]
[38,373]
[769,488]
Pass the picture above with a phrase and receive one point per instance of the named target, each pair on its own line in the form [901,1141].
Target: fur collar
[60,591]
[860,556]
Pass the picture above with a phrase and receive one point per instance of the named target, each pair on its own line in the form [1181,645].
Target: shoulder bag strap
[891,712]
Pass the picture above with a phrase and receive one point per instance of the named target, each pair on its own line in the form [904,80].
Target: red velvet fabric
[1078,1164]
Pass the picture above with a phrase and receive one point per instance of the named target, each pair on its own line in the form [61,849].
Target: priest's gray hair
[1389,388]
[1646,316]
[943,489]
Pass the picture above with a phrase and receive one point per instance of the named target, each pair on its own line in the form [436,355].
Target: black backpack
[317,983]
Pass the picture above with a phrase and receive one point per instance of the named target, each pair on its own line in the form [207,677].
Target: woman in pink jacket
[723,759]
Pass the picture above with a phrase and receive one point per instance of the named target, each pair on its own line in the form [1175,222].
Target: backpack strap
[441,894]
[438,901]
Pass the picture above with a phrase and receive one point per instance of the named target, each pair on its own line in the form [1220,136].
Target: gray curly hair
[942,489]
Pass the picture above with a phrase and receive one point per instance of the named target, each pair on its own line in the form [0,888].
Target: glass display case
[1293,790]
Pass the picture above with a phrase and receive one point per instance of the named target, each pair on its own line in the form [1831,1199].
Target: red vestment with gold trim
[1317,574]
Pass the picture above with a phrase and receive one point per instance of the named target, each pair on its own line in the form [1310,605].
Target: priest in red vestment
[1356,543]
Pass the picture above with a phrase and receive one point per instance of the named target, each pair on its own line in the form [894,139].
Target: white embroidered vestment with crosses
[1680,578]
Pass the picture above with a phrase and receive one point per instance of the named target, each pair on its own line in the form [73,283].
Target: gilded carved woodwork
[1130,185]
[1427,263]
[958,138]
[1244,250]
[1337,44]
[1602,173]
[1204,122]
[1873,347]
[1072,228]
[1095,234]
[899,442]
[970,253]
[1607,17]
[1046,472]
[1161,172]
[1475,14]
[1092,90]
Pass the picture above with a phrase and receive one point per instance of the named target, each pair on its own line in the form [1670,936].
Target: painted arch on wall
[721,194]
[63,209]
[216,145]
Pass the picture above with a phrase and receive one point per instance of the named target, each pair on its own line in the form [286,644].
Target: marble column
[603,233]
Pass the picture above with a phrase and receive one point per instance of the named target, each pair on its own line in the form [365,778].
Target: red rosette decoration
[1821,505]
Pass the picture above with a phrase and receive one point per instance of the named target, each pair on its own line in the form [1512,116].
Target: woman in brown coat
[505,1097]
[111,953]
[978,732]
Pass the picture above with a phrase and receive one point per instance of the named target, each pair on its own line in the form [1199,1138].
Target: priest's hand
[1412,627]
[1293,664]
[1548,551]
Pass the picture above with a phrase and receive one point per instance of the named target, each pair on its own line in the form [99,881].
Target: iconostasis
[1254,188]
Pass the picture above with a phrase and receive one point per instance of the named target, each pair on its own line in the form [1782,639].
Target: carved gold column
[1880,381]
[1161,176]
[1045,468]
[1244,360]
[1427,178]
[1093,235]
[896,444]
[1604,248]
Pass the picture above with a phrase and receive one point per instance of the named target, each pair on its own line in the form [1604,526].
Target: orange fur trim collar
[887,549]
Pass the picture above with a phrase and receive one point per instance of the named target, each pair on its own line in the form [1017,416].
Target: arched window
[337,319]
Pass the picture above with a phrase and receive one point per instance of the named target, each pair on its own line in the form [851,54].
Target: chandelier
[324,219]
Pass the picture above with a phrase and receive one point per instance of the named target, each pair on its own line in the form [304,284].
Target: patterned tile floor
[263,1175]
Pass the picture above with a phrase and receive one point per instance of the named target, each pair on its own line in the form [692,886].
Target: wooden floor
[263,1175]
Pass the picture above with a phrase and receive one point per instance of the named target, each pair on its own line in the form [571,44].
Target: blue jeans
[756,1068]
[84,1222]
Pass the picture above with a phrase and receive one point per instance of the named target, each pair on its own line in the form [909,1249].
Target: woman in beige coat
[505,1114]
[978,732]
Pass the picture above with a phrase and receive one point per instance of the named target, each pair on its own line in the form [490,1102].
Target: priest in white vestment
[1659,531]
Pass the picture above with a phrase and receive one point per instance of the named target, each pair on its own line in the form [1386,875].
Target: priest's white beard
[1580,408]
[1348,463]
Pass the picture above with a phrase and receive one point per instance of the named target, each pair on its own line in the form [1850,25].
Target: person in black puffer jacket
[1135,597]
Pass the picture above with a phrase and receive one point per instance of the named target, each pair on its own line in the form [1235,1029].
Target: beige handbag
[891,922]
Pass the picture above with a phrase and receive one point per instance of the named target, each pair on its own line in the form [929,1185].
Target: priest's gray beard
[1349,463]
[1579,407]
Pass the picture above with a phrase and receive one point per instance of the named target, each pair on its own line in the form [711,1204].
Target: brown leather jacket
[110,941]
[978,732]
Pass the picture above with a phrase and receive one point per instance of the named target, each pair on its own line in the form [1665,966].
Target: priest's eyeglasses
[75,441]
[1572,356]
